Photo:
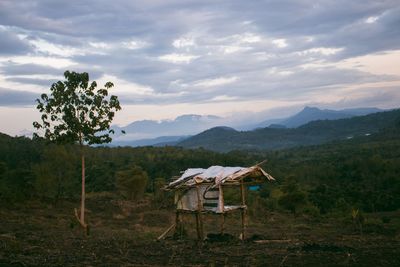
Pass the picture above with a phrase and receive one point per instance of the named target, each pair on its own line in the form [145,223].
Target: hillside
[171,132]
[309,114]
[313,133]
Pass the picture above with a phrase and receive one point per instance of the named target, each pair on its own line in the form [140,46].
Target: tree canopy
[76,111]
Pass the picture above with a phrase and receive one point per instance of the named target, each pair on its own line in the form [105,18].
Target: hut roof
[218,175]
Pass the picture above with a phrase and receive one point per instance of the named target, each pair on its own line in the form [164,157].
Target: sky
[226,58]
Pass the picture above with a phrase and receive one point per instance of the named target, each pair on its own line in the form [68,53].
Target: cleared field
[124,234]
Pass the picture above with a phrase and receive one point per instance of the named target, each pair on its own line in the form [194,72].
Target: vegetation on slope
[313,133]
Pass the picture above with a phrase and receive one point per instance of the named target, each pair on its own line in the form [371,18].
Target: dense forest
[360,173]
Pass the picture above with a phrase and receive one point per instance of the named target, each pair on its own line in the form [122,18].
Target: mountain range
[146,130]
[312,114]
[170,132]
[224,139]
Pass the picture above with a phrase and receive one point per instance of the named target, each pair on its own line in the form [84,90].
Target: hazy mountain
[26,133]
[151,132]
[309,114]
[159,141]
[181,126]
[312,133]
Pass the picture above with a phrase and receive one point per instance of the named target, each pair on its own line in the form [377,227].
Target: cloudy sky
[170,57]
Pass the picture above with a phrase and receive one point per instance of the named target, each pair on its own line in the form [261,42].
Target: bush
[132,183]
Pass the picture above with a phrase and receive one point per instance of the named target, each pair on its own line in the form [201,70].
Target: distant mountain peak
[225,128]
[309,114]
[187,124]
[308,108]
[188,117]
[195,117]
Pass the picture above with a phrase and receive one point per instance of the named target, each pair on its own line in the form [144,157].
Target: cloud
[198,52]
[280,43]
[178,58]
[215,82]
[17,98]
[371,19]
[35,81]
[383,97]
[183,42]
[11,68]
[11,44]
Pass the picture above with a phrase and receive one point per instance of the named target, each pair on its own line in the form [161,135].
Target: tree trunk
[83,192]
[81,218]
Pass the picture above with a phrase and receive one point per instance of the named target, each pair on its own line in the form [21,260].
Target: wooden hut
[201,191]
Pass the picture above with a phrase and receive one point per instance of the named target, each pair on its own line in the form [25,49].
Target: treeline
[38,169]
[362,173]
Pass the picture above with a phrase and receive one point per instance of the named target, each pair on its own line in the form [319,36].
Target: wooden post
[178,225]
[177,221]
[199,237]
[222,223]
[242,194]
[221,207]
[221,204]
[199,218]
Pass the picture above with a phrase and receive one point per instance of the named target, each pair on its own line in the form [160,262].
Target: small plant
[358,219]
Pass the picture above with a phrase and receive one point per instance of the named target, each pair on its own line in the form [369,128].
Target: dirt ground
[124,234]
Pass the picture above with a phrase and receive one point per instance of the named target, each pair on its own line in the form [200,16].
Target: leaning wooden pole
[166,231]
[199,217]
[242,194]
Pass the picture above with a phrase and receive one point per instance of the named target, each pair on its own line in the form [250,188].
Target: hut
[201,191]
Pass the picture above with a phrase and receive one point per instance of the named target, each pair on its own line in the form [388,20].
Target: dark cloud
[36,81]
[16,98]
[22,73]
[11,44]
[361,38]
[11,69]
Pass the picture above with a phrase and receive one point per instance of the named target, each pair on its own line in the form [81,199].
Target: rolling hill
[225,139]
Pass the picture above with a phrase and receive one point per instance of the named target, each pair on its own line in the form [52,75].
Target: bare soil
[124,234]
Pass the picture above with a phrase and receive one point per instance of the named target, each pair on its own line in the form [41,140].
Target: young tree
[76,111]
